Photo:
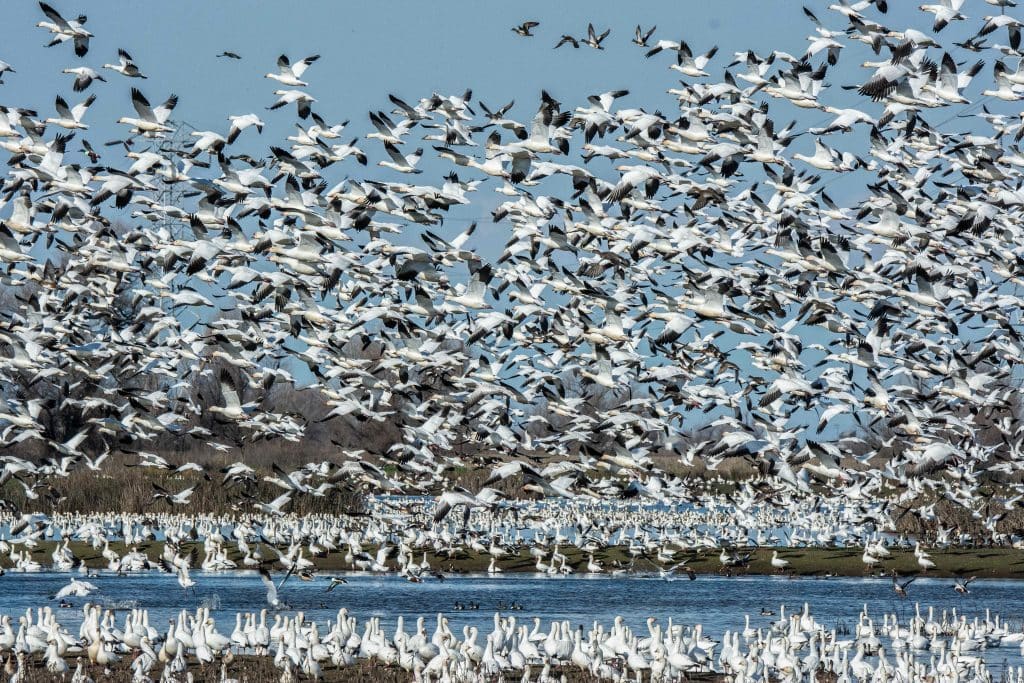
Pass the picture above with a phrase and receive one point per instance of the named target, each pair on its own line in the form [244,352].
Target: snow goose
[302,100]
[272,590]
[925,562]
[868,559]
[84,76]
[689,65]
[75,588]
[289,73]
[777,562]
[66,29]
[399,162]
[948,82]
[945,12]
[125,66]
[151,120]
[240,123]
[71,118]
[389,132]
[10,249]
[1005,90]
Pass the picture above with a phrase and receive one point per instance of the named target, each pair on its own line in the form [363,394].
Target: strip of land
[995,562]
[262,670]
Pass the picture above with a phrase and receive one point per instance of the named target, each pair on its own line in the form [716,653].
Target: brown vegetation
[129,489]
[262,670]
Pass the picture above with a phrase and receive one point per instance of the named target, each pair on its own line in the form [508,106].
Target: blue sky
[372,49]
[369,50]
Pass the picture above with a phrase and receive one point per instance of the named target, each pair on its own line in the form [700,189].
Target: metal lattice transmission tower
[173,193]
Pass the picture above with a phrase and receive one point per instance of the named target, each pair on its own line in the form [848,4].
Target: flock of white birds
[674,288]
[923,647]
[689,262]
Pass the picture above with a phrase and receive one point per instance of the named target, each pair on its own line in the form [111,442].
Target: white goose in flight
[272,589]
[399,162]
[289,74]
[125,66]
[65,29]
[84,76]
[240,123]
[71,118]
[152,121]
[302,100]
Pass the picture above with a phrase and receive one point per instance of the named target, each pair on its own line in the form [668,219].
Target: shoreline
[997,562]
[253,669]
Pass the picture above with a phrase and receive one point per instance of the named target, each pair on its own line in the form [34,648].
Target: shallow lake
[719,603]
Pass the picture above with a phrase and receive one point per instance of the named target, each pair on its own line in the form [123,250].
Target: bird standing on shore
[778,563]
